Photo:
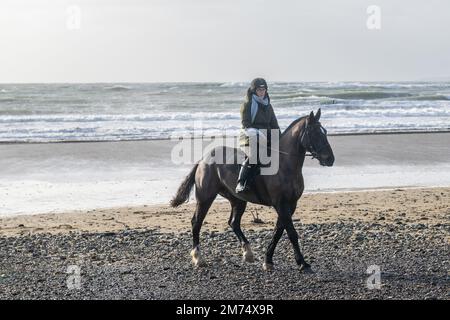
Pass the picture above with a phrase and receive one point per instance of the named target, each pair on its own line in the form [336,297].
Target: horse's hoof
[248,257]
[200,263]
[197,260]
[247,254]
[267,266]
[306,268]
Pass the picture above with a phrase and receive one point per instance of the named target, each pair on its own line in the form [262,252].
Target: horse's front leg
[285,211]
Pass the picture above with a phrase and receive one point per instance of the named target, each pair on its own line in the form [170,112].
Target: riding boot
[243,176]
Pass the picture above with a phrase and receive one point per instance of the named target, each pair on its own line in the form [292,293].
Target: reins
[292,155]
[303,134]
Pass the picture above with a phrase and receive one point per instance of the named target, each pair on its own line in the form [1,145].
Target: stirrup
[243,178]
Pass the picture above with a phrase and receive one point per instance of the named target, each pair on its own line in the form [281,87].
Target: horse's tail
[185,189]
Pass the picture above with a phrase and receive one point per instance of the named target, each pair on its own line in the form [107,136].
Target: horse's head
[314,140]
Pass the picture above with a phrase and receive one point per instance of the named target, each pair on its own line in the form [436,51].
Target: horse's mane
[292,124]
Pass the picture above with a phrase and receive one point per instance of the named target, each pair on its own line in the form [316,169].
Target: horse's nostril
[327,159]
[330,161]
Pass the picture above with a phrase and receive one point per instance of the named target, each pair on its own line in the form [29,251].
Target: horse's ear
[318,115]
[311,117]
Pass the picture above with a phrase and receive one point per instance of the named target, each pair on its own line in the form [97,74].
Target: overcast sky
[227,40]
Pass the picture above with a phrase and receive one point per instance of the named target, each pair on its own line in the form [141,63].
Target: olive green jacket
[264,119]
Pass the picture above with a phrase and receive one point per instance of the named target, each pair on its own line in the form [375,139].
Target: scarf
[254,107]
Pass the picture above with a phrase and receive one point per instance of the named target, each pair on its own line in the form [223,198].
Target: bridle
[308,145]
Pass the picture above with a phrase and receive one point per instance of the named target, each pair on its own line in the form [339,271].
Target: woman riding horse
[281,190]
[258,118]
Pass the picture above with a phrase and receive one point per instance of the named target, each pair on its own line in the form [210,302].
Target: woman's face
[261,92]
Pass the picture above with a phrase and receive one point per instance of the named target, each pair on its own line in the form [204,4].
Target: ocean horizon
[77,112]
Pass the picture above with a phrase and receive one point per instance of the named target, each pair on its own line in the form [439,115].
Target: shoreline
[404,205]
[349,134]
[221,200]
[59,177]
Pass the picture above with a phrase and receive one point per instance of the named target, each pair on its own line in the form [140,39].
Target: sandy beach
[143,252]
[407,206]
[112,113]
[103,208]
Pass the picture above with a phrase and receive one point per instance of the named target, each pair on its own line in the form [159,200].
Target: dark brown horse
[281,190]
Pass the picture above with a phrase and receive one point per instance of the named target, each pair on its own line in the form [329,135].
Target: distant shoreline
[436,80]
[206,137]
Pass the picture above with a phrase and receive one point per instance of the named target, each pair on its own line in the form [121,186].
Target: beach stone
[359,237]
[135,264]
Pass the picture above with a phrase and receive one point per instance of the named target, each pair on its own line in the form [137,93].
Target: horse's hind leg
[197,221]
[277,233]
[237,210]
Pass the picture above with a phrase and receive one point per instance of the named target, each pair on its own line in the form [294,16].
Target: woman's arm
[245,115]
[273,120]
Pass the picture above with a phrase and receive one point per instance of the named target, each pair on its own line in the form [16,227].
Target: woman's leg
[244,171]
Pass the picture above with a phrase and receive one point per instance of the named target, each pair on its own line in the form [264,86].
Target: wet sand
[61,177]
[429,206]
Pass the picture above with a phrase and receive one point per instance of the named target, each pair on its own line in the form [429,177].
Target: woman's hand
[253,132]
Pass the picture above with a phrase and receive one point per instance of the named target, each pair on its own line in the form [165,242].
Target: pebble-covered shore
[133,264]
